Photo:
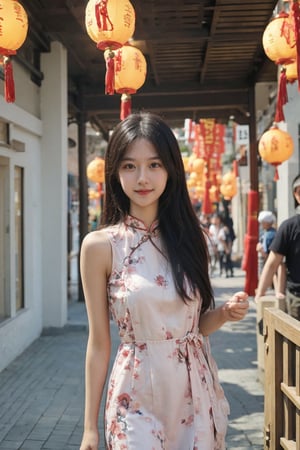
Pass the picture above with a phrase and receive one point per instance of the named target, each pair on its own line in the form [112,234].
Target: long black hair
[179,226]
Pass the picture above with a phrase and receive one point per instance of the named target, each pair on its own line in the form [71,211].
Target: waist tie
[195,349]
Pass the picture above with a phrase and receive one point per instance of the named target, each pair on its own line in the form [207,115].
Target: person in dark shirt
[286,244]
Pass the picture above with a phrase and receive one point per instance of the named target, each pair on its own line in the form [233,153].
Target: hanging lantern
[130,74]
[95,170]
[198,165]
[228,187]
[109,23]
[13,32]
[279,39]
[291,72]
[275,146]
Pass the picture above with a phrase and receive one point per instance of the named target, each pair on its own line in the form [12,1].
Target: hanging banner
[242,144]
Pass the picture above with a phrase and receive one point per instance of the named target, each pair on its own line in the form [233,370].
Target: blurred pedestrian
[286,244]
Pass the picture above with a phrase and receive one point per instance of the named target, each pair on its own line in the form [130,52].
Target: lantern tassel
[296,13]
[9,85]
[125,106]
[276,174]
[110,74]
[282,97]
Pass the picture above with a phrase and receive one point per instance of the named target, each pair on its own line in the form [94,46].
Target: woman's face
[297,194]
[142,176]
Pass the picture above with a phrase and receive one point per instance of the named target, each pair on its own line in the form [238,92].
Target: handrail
[282,380]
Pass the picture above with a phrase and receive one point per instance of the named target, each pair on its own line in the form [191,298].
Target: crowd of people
[220,237]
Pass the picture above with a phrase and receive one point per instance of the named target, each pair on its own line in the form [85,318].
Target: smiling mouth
[143,191]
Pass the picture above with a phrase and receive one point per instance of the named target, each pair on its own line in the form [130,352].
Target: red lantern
[275,146]
[109,23]
[13,32]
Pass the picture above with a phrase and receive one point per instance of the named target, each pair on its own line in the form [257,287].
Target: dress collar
[138,224]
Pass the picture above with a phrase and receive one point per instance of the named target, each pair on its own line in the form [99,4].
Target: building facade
[33,206]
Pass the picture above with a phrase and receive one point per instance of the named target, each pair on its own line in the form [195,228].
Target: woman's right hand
[90,440]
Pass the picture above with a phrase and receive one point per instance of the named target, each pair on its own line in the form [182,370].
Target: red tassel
[9,85]
[110,74]
[282,97]
[206,206]
[296,12]
[276,174]
[125,106]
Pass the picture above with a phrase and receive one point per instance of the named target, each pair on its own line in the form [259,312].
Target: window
[19,250]
[4,239]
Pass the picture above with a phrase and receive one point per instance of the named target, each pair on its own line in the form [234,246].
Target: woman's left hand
[236,307]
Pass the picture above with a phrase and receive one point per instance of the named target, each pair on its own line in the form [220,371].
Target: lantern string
[282,96]
[110,74]
[125,106]
[9,85]
[296,13]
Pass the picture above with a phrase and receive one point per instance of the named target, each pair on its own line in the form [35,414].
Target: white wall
[289,169]
[24,326]
[38,118]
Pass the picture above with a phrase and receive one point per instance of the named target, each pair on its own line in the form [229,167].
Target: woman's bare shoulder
[96,244]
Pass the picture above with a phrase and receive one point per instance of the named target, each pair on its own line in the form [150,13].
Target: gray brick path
[42,391]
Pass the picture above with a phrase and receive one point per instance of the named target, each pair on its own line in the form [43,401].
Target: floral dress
[163,392]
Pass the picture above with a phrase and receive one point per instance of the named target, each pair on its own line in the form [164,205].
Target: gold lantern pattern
[13,32]
[110,23]
[275,146]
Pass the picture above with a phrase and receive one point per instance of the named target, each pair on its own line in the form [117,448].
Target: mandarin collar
[138,224]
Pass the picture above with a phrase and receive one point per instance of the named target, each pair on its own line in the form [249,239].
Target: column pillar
[54,115]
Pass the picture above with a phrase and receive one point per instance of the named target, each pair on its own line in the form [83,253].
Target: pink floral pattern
[163,392]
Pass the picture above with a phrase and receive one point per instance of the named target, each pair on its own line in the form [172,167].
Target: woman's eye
[128,166]
[156,164]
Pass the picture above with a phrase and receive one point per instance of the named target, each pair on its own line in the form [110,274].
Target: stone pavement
[42,391]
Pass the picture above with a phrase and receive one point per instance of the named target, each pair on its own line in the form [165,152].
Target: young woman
[148,267]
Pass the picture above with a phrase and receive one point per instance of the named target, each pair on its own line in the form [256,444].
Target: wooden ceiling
[203,57]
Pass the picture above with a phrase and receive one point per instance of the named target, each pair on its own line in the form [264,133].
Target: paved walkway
[41,392]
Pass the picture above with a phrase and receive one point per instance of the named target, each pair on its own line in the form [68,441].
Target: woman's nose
[142,175]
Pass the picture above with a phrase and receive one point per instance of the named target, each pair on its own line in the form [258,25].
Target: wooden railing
[282,381]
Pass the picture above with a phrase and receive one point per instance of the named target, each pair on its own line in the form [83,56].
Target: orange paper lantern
[130,70]
[228,187]
[275,146]
[95,170]
[279,40]
[109,23]
[291,72]
[13,32]
[130,74]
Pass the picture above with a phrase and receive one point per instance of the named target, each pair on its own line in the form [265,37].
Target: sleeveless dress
[163,391]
